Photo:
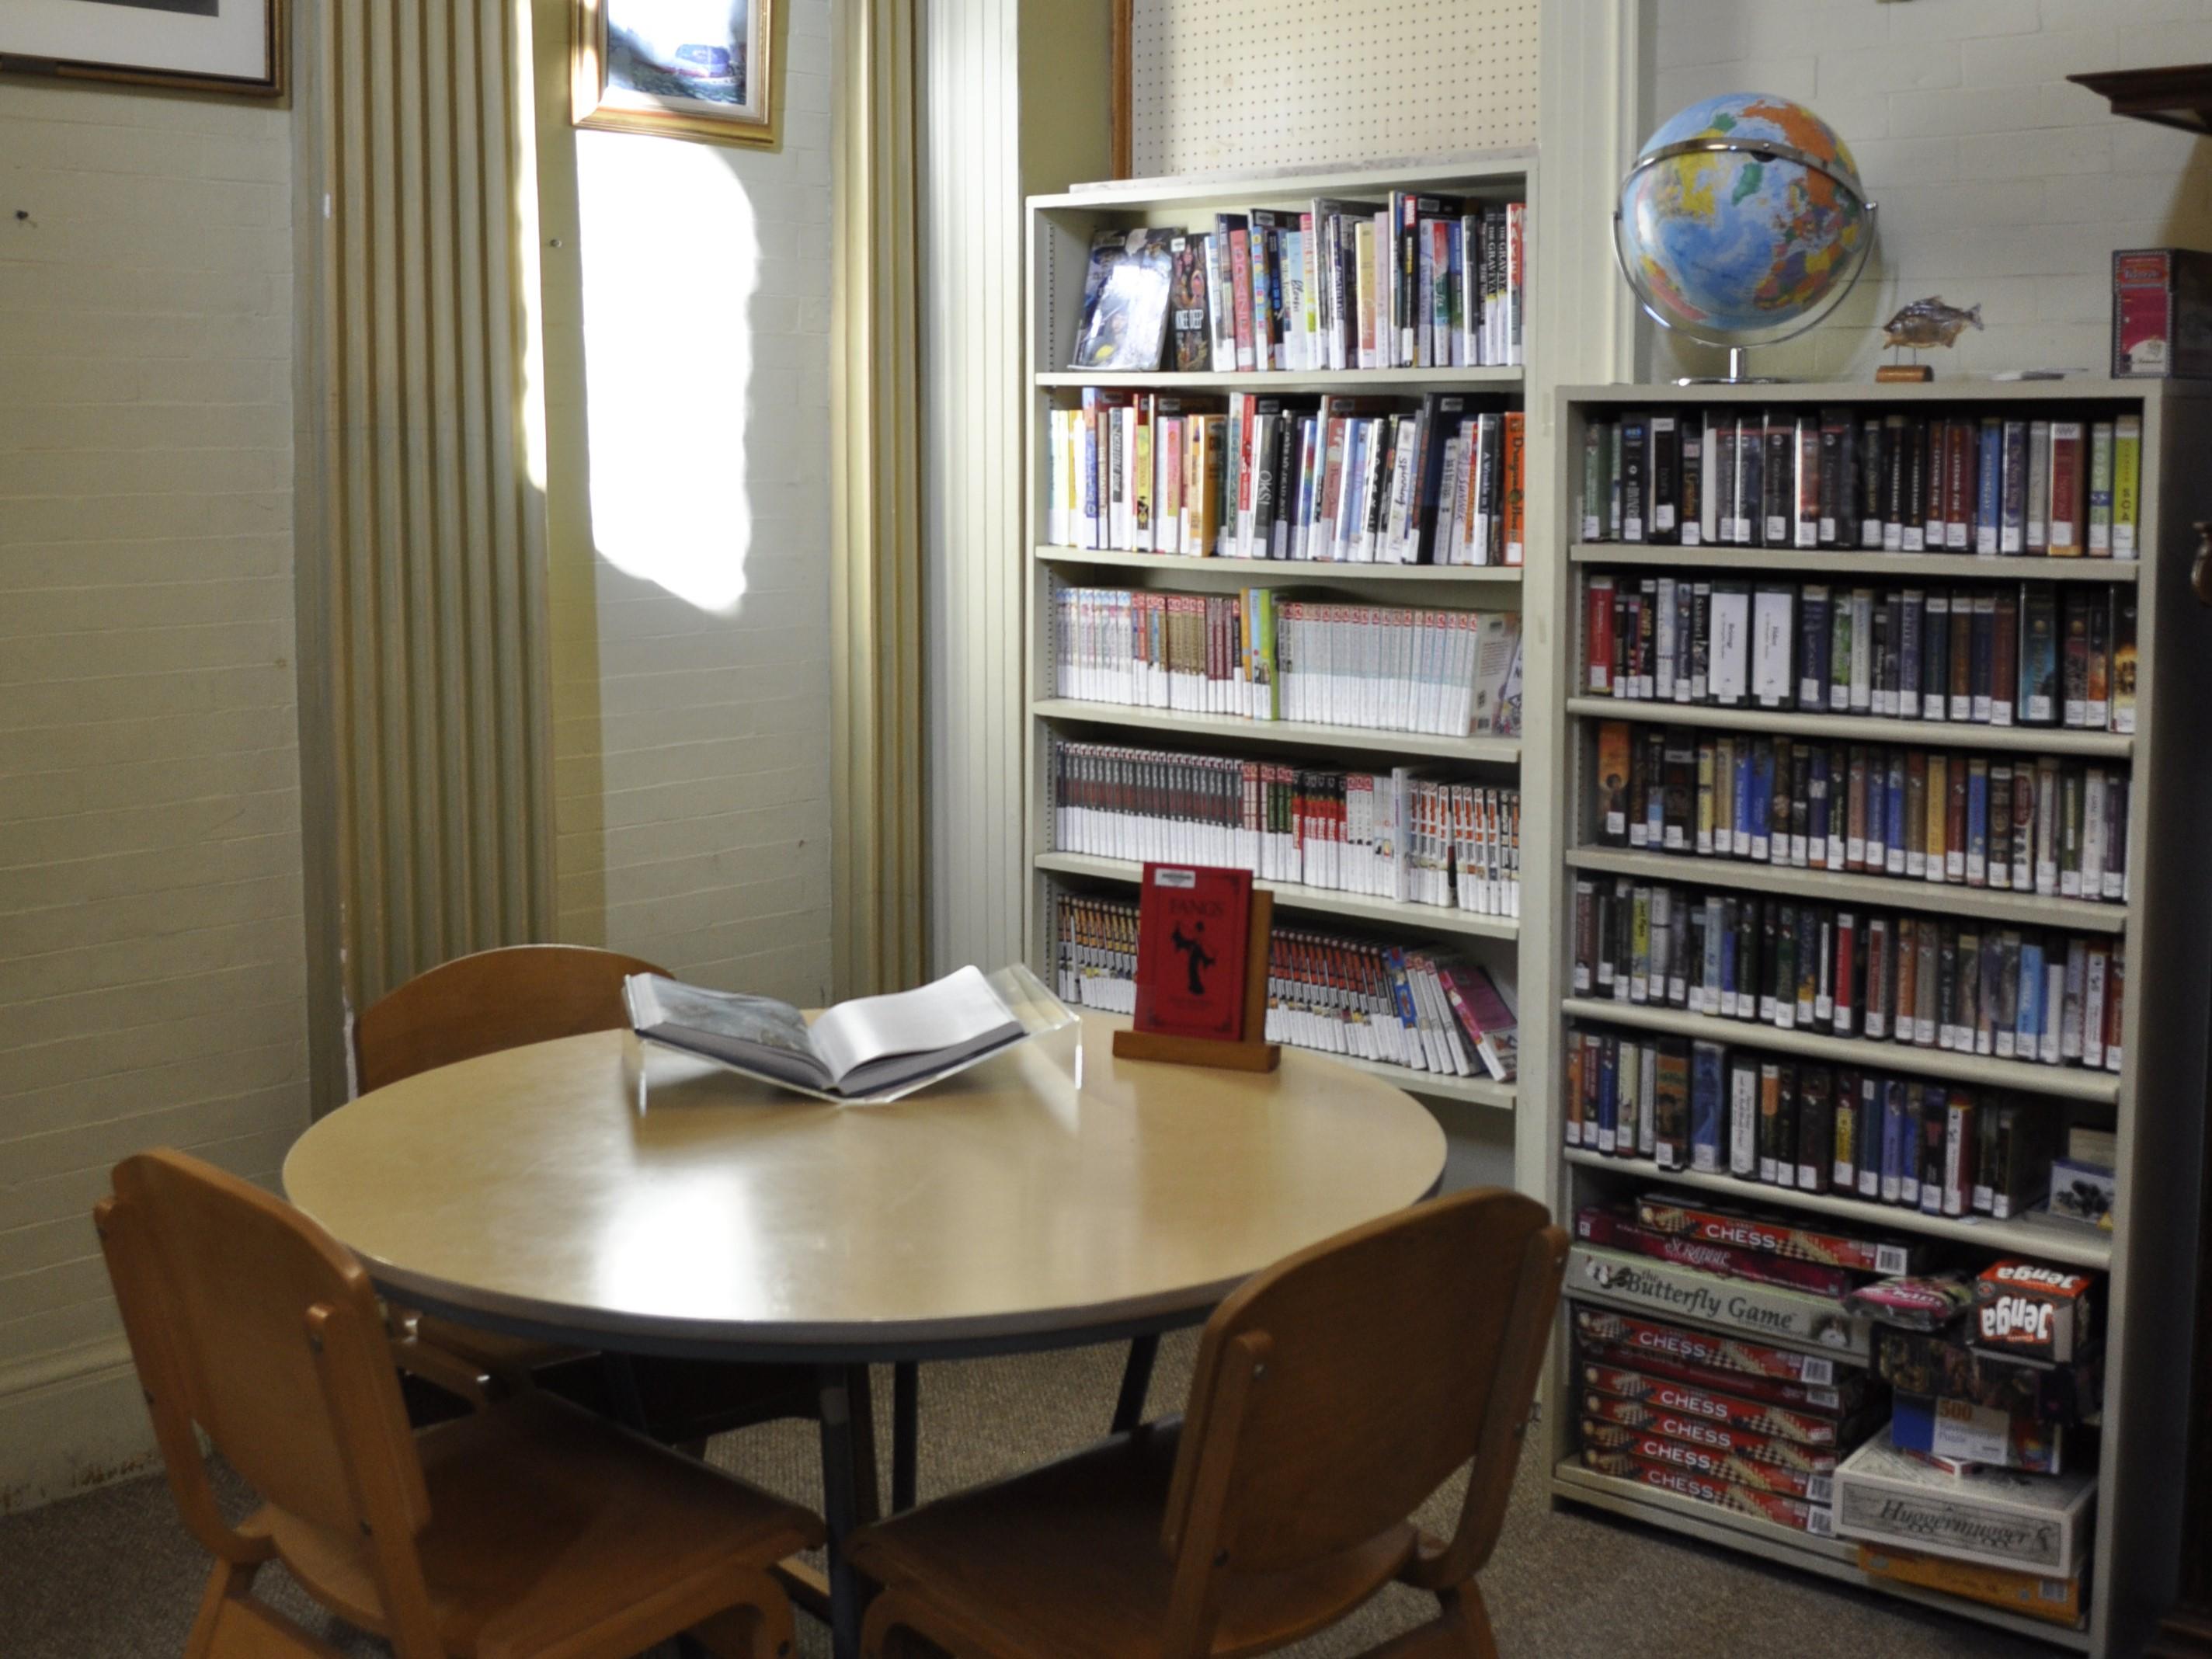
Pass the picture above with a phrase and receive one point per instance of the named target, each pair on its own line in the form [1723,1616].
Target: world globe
[1743,220]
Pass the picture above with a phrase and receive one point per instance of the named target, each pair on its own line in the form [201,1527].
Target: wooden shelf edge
[2071,1082]
[1472,1091]
[1278,570]
[1962,567]
[1363,739]
[1829,886]
[1279,379]
[1863,728]
[2049,1240]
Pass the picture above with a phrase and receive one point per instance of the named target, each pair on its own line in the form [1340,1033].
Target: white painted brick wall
[1999,182]
[151,951]
[692,747]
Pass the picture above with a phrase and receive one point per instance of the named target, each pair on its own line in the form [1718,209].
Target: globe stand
[1736,376]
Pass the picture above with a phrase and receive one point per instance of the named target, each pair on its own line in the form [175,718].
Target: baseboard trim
[70,1422]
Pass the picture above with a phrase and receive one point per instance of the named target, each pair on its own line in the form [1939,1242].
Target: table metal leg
[1136,1384]
[628,1400]
[906,1432]
[849,1492]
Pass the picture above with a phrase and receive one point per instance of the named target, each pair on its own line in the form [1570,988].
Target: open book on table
[871,1049]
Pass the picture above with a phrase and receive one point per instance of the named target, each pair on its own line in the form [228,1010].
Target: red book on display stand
[1202,942]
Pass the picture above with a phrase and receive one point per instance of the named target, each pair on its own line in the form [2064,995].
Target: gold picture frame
[626,81]
[153,43]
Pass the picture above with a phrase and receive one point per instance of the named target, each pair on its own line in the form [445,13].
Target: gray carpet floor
[113,1572]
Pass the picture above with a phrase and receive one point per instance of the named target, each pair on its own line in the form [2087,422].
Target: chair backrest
[1336,1391]
[247,1319]
[493,1000]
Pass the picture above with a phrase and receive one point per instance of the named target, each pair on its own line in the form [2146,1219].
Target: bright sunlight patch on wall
[671,257]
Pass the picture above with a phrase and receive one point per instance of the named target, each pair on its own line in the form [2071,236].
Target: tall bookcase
[2156,1101]
[1060,227]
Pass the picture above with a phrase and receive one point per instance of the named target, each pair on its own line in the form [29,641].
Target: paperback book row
[1883,482]
[1714,1109]
[1337,480]
[1936,1407]
[1259,654]
[2057,829]
[1411,1006]
[1989,655]
[1955,985]
[1396,835]
[1415,282]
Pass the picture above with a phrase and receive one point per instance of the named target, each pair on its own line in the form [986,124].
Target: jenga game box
[2026,1308]
[1706,1348]
[1915,1362]
[1793,1512]
[1712,1462]
[1686,1217]
[2056,1600]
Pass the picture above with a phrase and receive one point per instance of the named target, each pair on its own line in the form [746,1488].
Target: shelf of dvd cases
[1861,728]
[1356,739]
[1328,901]
[2046,1240]
[1281,379]
[1870,562]
[1250,572]
[1828,886]
[1834,1558]
[2072,1082]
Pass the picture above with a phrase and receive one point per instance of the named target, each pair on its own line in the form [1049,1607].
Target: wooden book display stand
[1252,1055]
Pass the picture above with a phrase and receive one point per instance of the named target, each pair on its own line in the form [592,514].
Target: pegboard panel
[1264,83]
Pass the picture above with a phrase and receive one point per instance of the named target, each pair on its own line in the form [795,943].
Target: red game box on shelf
[1712,1464]
[1617,1232]
[1817,1519]
[1791,1439]
[1850,1392]
[1722,1354]
[1668,1213]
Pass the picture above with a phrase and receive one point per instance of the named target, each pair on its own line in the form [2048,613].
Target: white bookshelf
[1060,231]
[2155,1102]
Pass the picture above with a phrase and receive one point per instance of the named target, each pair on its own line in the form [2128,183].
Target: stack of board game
[1989,654]
[1883,481]
[1981,1483]
[1753,1405]
[1418,281]
[1413,1006]
[1337,480]
[1403,835]
[1257,654]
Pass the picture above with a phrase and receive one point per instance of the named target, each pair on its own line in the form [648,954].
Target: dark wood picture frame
[271,83]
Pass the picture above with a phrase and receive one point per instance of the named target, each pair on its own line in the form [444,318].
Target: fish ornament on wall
[1919,327]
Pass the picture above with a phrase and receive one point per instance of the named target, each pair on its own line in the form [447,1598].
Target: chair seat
[523,1494]
[1069,1556]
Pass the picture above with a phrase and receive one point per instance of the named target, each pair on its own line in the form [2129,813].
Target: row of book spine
[1960,986]
[1259,656]
[1396,834]
[1709,1108]
[1421,281]
[1337,480]
[1992,654]
[2041,826]
[1890,482]
[1409,1006]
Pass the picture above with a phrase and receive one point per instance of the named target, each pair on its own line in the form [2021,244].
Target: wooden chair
[530,1528]
[503,999]
[1333,1393]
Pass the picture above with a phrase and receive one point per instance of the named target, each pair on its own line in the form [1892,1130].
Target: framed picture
[206,45]
[695,68]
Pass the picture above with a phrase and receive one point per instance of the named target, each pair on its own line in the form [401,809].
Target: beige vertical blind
[425,599]
[878,936]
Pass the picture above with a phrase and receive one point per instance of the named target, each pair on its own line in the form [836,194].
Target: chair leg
[1460,1630]
[232,1624]
[758,1628]
[885,1635]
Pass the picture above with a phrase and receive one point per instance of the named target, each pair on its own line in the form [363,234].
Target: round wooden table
[597,1192]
